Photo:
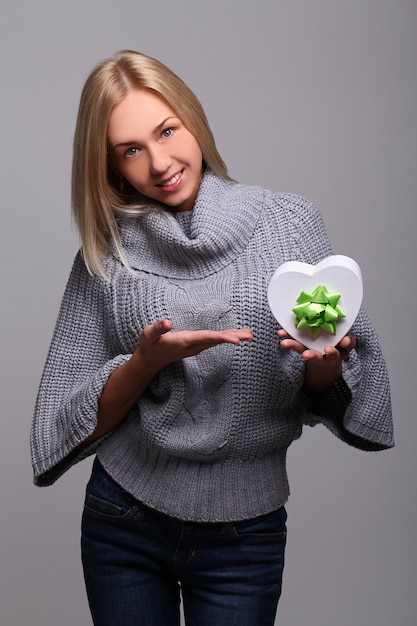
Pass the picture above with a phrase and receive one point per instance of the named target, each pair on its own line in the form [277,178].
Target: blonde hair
[96,193]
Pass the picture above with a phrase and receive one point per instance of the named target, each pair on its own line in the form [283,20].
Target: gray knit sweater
[208,439]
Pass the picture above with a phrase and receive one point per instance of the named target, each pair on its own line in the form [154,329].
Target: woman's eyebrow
[123,144]
[159,127]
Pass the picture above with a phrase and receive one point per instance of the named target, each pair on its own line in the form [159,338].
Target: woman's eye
[131,152]
[168,132]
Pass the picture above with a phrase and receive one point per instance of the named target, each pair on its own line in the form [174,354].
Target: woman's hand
[321,370]
[158,346]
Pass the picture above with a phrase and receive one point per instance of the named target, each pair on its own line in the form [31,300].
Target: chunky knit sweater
[207,441]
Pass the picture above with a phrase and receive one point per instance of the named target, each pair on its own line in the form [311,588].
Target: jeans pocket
[106,500]
[103,508]
[263,529]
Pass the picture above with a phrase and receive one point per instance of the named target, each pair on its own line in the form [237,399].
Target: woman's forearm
[157,348]
[121,392]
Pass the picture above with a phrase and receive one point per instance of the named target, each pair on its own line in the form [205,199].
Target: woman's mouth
[172,183]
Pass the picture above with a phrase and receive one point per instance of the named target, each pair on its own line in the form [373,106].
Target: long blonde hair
[96,193]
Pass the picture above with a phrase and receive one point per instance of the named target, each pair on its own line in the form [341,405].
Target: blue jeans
[137,561]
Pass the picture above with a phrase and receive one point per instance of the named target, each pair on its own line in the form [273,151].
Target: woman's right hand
[158,346]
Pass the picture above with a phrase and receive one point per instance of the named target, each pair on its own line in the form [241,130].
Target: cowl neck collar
[199,242]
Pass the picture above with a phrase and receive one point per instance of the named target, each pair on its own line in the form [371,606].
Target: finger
[243,334]
[345,342]
[289,343]
[332,355]
[292,344]
[214,337]
[313,355]
[203,339]
[153,332]
[346,345]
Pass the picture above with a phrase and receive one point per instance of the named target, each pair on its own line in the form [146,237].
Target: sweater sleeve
[366,422]
[79,363]
[358,411]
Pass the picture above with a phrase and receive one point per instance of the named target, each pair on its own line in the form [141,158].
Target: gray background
[316,97]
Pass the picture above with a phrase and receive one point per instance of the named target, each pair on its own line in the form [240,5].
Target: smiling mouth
[172,181]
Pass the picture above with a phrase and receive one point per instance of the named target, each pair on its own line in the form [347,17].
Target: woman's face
[154,151]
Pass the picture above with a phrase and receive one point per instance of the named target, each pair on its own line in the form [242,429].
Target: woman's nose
[159,160]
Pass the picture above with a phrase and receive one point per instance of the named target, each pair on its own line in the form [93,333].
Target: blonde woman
[165,363]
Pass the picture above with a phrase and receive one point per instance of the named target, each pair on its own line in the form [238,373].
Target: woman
[165,363]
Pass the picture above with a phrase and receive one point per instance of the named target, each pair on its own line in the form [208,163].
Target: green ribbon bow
[318,311]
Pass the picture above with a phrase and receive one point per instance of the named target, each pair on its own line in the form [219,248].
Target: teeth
[171,181]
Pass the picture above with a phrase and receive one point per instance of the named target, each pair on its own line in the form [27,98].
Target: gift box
[317,304]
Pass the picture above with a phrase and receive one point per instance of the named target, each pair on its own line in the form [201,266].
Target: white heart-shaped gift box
[338,273]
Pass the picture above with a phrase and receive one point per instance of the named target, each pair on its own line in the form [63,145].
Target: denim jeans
[137,562]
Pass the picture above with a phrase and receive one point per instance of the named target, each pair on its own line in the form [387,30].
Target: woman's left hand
[321,370]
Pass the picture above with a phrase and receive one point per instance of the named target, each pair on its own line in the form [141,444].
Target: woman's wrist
[318,377]
[332,402]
